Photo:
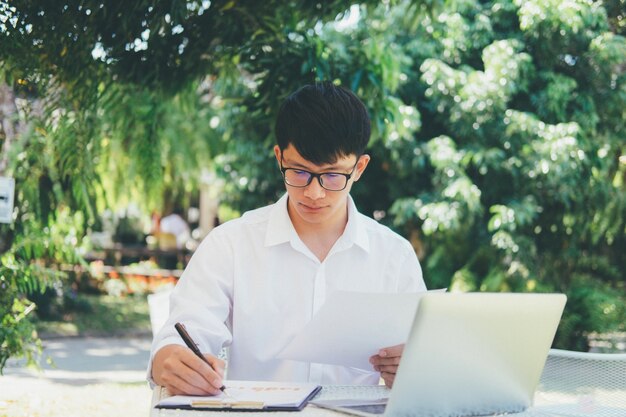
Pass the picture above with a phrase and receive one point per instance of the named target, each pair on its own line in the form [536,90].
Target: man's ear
[360,166]
[278,154]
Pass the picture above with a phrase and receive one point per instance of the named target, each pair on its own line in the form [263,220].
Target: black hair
[323,122]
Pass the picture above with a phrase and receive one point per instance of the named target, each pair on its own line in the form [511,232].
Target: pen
[180,328]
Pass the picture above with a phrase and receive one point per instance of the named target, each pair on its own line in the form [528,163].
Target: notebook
[248,396]
[467,355]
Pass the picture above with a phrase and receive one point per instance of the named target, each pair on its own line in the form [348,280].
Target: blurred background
[130,129]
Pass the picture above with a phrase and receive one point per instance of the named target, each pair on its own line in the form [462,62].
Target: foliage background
[498,131]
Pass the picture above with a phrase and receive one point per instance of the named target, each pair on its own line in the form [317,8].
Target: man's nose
[314,190]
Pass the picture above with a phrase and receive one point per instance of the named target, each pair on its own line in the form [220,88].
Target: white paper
[7,189]
[272,394]
[352,326]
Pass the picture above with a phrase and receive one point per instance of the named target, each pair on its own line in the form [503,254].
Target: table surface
[547,404]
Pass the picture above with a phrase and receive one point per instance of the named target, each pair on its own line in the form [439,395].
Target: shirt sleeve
[202,299]
[409,272]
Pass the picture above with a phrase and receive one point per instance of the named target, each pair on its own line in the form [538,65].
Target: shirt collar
[280,228]
[355,232]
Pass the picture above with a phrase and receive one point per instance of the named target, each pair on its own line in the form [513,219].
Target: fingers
[391,351]
[216,363]
[389,378]
[189,374]
[199,373]
[389,356]
[179,386]
[386,362]
[182,372]
[390,369]
[378,361]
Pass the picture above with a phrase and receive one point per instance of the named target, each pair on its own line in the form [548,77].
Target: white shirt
[252,285]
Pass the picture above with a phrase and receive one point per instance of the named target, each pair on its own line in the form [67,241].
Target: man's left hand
[386,362]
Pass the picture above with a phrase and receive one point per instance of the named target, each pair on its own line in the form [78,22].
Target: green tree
[497,130]
[524,153]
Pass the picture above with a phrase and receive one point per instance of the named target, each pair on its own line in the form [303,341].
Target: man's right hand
[179,370]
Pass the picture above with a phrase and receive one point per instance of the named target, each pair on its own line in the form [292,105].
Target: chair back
[159,304]
[584,384]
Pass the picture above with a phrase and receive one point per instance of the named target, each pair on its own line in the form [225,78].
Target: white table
[547,404]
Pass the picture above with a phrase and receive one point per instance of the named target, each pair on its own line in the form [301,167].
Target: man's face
[312,204]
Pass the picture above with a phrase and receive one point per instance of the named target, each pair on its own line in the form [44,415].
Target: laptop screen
[475,353]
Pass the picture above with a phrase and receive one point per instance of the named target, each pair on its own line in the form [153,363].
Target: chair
[583,384]
[159,304]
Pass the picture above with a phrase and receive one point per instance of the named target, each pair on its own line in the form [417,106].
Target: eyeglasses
[331,181]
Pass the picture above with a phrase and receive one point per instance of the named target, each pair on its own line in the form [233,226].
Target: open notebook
[248,395]
[467,355]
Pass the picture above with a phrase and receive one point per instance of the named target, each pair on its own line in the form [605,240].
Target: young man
[254,282]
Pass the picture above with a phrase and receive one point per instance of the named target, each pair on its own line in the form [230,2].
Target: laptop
[469,354]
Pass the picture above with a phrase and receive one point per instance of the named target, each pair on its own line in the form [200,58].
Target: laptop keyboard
[371,408]
[371,392]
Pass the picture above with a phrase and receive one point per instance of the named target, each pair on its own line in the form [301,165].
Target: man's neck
[320,237]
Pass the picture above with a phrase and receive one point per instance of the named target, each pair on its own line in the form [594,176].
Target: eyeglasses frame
[317,175]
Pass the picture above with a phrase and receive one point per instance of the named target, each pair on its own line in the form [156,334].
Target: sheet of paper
[352,326]
[272,394]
